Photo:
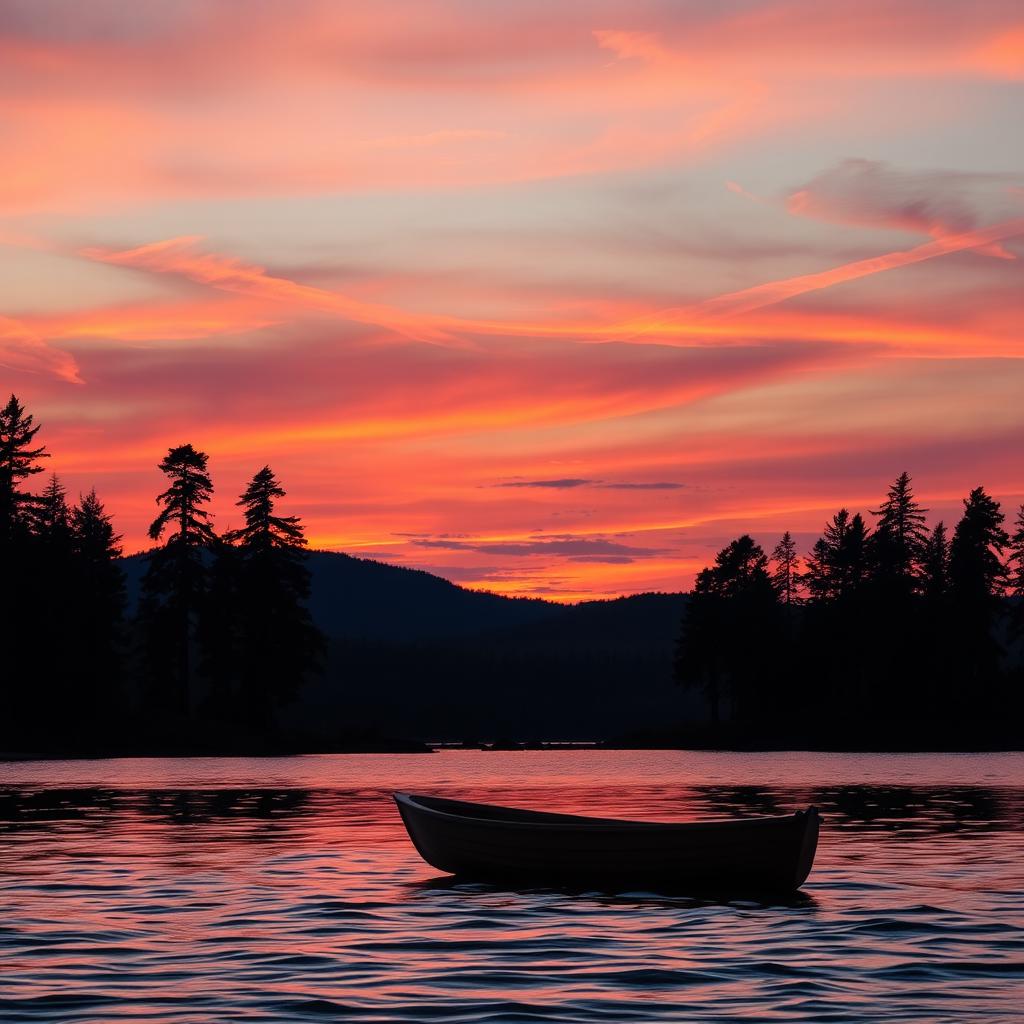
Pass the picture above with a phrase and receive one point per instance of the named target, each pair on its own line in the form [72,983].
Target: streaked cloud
[468,277]
[936,203]
[574,549]
[22,350]
[563,484]
[570,483]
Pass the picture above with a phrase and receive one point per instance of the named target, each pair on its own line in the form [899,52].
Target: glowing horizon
[547,301]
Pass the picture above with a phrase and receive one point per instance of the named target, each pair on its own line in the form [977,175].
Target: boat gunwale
[584,823]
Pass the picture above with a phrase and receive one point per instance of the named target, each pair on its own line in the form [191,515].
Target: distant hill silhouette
[366,599]
[414,655]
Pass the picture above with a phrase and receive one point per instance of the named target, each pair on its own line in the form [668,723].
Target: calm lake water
[210,890]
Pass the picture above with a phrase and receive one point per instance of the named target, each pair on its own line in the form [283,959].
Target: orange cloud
[703,323]
[21,349]
[208,102]
[748,299]
[181,256]
[1001,56]
[405,161]
[154,321]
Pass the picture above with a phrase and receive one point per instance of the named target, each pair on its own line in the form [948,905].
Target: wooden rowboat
[481,841]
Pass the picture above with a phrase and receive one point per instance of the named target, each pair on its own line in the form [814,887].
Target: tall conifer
[99,596]
[898,539]
[19,457]
[280,645]
[977,579]
[786,575]
[174,585]
[21,591]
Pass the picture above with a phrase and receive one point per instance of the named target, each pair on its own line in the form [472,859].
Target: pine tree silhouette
[18,460]
[99,600]
[786,576]
[977,577]
[930,649]
[1015,572]
[935,564]
[175,582]
[838,564]
[280,646]
[976,571]
[898,539]
[23,692]
[51,517]
[1016,559]
[53,561]
[730,619]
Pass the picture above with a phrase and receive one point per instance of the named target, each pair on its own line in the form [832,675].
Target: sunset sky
[545,298]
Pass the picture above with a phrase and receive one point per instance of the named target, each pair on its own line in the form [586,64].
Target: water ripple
[282,890]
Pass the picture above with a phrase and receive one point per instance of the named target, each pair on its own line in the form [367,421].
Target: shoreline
[19,757]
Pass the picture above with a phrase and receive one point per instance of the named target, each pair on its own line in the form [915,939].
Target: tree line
[882,632]
[889,632]
[222,636]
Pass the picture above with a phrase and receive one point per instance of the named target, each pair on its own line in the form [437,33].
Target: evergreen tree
[174,585]
[52,584]
[977,577]
[1016,560]
[18,458]
[853,557]
[1015,582]
[182,502]
[700,650]
[935,565]
[22,619]
[893,624]
[818,575]
[898,539]
[935,664]
[976,569]
[740,570]
[731,619]
[96,545]
[837,680]
[51,517]
[838,563]
[99,594]
[786,575]
[280,645]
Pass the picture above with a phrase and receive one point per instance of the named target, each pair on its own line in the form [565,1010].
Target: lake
[285,889]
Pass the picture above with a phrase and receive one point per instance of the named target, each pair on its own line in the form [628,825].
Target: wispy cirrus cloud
[558,484]
[657,485]
[23,350]
[938,203]
[748,299]
[571,483]
[699,323]
[203,100]
[183,257]
[573,549]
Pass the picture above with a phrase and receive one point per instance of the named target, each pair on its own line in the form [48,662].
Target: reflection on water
[285,889]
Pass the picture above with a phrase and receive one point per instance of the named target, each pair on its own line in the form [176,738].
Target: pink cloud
[182,257]
[939,203]
[749,299]
[24,351]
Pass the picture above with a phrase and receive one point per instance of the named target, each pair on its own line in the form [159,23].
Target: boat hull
[480,841]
